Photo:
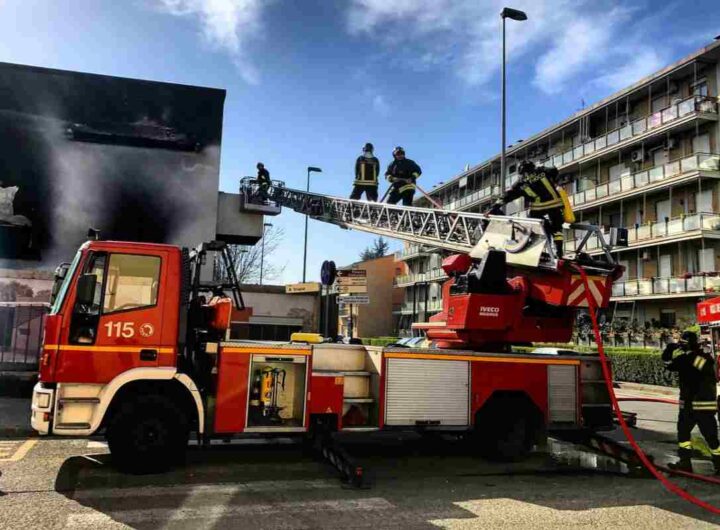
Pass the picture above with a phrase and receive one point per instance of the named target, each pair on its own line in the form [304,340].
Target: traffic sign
[328,272]
[351,289]
[353,299]
[352,277]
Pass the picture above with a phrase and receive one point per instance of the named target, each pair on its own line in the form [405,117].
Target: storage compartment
[358,368]
[277,391]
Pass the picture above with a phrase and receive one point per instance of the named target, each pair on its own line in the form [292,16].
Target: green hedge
[646,367]
[633,365]
[380,341]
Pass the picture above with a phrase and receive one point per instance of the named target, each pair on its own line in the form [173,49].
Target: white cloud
[225,25]
[564,40]
[642,63]
[378,101]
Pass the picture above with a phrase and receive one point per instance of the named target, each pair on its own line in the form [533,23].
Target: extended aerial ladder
[507,284]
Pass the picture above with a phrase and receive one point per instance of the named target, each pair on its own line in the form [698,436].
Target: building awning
[708,312]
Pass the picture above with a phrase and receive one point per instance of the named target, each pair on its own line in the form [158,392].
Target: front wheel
[148,435]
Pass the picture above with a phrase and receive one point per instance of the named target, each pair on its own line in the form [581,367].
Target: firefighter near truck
[136,347]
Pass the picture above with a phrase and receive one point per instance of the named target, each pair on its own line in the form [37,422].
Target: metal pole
[306,228]
[502,152]
[327,311]
[262,255]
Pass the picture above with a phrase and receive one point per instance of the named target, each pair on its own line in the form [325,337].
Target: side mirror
[60,274]
[85,292]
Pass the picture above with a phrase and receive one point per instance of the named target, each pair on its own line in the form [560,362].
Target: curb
[17,432]
[652,389]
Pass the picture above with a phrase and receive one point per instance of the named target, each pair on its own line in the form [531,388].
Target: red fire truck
[136,347]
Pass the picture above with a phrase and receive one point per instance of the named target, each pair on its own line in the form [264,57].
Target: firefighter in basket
[540,188]
[263,181]
[402,174]
[698,397]
[367,169]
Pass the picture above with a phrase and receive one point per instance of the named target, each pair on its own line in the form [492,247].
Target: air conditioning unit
[637,156]
[671,143]
[646,255]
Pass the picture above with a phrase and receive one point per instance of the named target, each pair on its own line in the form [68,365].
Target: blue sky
[310,81]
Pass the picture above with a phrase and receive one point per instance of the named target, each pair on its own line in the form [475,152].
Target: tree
[378,250]
[247,259]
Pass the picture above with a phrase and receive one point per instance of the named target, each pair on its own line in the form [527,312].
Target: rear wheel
[148,435]
[508,429]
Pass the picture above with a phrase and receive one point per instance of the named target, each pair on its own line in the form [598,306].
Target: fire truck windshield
[61,290]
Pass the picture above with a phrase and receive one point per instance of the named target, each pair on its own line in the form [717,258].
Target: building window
[667,318]
[700,88]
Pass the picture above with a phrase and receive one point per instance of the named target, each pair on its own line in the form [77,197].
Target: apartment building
[645,158]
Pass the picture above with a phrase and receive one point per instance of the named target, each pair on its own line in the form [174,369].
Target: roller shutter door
[562,394]
[419,390]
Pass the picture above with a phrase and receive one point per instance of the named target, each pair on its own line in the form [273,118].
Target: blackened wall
[137,159]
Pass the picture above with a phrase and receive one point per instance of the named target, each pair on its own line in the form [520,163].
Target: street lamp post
[262,250]
[513,14]
[310,169]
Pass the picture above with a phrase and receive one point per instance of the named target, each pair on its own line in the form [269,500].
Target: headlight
[43,401]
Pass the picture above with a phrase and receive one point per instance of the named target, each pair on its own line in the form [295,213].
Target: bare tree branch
[247,259]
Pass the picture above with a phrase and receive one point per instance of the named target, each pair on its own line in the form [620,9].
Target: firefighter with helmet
[263,181]
[402,174]
[539,186]
[698,397]
[367,169]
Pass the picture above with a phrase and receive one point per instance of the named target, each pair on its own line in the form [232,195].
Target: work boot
[684,463]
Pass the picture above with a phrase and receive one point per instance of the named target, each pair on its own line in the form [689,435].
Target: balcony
[684,227]
[687,110]
[411,252]
[680,112]
[643,181]
[407,280]
[406,308]
[644,288]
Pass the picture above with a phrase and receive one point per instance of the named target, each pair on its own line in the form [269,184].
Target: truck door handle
[148,355]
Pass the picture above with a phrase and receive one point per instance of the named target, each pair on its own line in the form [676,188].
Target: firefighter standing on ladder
[402,174]
[698,398]
[367,169]
[539,187]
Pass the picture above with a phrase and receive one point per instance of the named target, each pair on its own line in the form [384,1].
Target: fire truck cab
[136,348]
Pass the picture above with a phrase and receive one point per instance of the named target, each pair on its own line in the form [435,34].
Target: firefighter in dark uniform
[402,174]
[263,181]
[367,170]
[539,187]
[698,397]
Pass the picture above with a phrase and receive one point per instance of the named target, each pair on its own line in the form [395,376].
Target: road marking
[20,452]
[213,513]
[200,489]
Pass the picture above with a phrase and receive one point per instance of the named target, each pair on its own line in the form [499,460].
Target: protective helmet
[260,165]
[368,147]
[526,167]
[690,337]
[398,151]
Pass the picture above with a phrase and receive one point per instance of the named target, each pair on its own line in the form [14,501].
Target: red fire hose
[669,485]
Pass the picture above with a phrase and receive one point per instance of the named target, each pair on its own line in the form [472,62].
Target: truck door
[115,317]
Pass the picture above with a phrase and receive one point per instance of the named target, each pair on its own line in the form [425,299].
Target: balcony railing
[421,277]
[406,308]
[676,111]
[412,251]
[666,286]
[641,179]
[638,127]
[659,230]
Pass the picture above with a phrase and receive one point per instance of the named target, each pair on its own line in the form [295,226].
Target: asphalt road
[63,483]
